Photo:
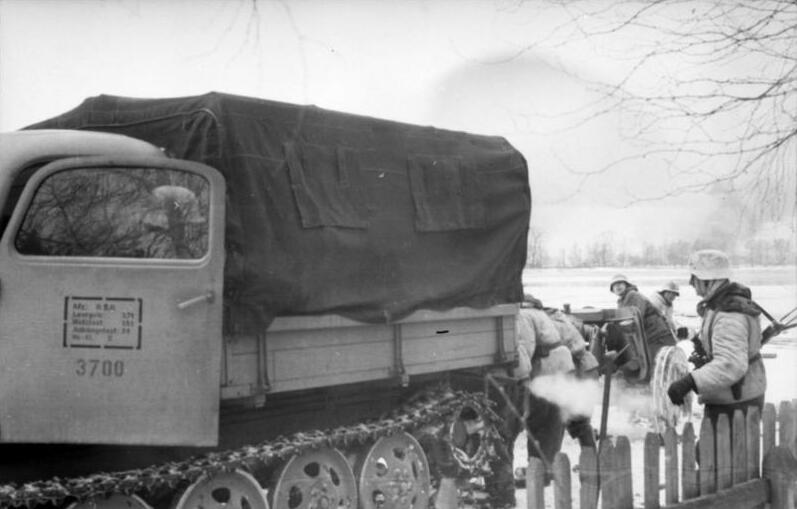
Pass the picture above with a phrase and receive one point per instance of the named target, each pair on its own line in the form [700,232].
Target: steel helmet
[531,301]
[618,278]
[670,286]
[710,264]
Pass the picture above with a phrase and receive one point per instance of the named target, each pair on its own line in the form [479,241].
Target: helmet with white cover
[670,286]
[710,264]
[618,278]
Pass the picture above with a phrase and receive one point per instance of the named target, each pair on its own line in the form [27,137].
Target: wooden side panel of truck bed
[304,352]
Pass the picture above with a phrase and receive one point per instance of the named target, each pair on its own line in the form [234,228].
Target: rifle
[788,321]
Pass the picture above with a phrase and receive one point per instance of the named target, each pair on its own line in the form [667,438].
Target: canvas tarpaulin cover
[330,212]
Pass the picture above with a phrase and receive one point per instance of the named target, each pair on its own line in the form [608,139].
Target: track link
[429,408]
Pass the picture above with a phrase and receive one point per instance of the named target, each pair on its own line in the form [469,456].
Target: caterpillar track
[393,469]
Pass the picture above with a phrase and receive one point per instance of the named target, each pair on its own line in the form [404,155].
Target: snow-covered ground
[774,288]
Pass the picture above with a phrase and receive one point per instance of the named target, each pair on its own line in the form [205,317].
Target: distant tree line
[606,252]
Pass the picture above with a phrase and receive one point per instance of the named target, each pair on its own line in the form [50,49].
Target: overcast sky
[481,66]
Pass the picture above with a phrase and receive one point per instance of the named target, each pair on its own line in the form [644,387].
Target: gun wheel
[230,490]
[315,479]
[394,474]
[115,501]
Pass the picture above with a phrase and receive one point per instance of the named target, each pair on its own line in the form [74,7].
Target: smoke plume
[576,397]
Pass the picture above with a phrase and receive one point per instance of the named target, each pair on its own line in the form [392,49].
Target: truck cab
[111,275]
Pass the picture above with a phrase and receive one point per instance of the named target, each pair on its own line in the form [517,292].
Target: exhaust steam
[575,397]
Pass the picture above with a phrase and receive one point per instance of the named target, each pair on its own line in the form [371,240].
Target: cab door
[111,274]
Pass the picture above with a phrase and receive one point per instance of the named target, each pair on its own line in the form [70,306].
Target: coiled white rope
[671,364]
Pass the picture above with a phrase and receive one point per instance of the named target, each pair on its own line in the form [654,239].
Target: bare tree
[537,254]
[708,94]
[575,257]
[601,252]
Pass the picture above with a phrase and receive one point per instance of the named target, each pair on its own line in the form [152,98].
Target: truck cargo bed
[299,353]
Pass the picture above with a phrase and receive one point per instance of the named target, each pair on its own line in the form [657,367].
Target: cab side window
[117,212]
[17,186]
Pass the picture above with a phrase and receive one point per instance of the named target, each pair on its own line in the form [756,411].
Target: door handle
[205,297]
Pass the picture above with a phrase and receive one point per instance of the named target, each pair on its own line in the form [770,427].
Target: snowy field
[774,288]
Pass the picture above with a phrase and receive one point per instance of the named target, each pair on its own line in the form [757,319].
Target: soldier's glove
[699,356]
[680,388]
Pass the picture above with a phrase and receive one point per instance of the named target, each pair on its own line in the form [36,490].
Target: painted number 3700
[99,368]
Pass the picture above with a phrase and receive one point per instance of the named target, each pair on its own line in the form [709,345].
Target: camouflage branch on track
[431,407]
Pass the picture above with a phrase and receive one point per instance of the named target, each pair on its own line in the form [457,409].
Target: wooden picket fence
[730,475]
